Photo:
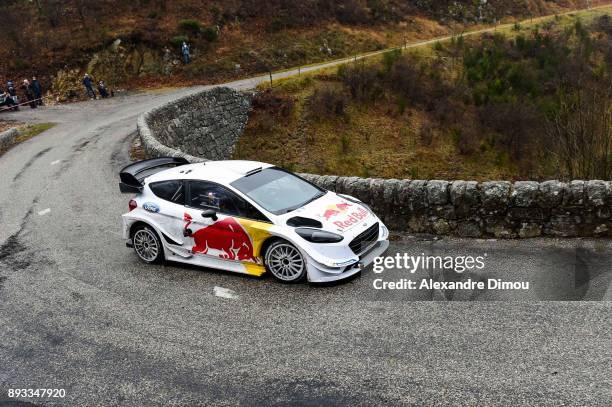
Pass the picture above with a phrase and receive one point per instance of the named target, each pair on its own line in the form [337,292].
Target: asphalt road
[78,311]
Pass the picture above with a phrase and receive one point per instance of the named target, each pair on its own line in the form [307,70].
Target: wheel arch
[138,223]
[266,244]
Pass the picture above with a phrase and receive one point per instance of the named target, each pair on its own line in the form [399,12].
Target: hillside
[530,102]
[136,44]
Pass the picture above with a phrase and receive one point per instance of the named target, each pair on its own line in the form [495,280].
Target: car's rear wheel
[285,262]
[147,245]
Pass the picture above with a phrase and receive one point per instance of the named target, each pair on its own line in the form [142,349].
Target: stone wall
[497,209]
[207,124]
[7,138]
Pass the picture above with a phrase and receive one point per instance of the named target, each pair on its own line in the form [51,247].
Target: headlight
[385,231]
[318,236]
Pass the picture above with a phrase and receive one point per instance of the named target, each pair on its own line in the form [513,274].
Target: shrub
[390,58]
[580,132]
[517,126]
[210,34]
[282,21]
[345,144]
[274,102]
[352,12]
[328,101]
[402,104]
[465,141]
[426,134]
[362,81]
[178,40]
[190,25]
[407,80]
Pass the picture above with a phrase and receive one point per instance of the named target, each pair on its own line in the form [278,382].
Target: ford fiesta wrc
[247,217]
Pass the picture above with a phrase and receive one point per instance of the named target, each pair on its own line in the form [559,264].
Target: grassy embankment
[471,107]
[27,132]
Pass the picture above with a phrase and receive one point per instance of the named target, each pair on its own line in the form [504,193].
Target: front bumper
[318,273]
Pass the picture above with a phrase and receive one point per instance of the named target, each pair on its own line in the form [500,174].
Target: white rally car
[247,217]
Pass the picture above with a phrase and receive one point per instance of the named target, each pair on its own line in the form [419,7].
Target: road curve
[79,312]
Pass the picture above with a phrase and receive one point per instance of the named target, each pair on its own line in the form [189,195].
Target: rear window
[172,191]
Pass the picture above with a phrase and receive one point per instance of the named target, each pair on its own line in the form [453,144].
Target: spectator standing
[102,89]
[88,83]
[185,52]
[37,91]
[29,93]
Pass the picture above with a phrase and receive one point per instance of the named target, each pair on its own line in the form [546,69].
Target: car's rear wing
[133,175]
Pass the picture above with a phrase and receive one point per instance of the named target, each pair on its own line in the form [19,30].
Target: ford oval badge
[151,207]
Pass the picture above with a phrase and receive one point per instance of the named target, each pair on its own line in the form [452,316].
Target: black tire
[285,262]
[147,244]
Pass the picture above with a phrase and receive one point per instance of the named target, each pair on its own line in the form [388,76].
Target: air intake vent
[299,222]
[365,239]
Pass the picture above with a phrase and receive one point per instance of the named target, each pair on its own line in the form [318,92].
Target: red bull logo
[334,210]
[354,218]
[226,237]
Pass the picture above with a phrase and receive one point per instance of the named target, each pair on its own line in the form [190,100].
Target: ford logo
[151,207]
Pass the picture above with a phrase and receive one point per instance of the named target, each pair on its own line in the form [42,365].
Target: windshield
[277,191]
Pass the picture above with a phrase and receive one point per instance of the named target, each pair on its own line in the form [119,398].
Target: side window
[172,191]
[206,195]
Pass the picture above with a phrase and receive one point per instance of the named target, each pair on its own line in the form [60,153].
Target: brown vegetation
[531,105]
[229,38]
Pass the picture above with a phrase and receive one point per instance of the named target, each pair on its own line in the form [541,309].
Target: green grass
[27,132]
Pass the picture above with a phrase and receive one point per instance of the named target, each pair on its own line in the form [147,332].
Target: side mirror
[210,213]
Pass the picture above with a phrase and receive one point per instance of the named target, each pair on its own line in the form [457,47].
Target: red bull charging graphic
[231,238]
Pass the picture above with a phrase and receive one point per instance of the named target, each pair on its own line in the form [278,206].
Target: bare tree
[580,132]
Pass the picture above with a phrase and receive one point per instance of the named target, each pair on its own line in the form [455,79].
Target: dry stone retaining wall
[207,124]
[498,209]
[7,138]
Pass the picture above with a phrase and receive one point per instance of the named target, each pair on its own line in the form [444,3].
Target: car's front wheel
[285,262]
[147,244]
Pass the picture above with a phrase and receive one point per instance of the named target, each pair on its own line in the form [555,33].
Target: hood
[337,214]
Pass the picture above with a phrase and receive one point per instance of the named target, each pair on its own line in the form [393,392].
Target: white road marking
[44,211]
[56,162]
[225,293]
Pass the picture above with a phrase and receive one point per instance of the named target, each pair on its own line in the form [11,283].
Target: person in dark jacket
[10,88]
[37,91]
[12,95]
[88,83]
[6,101]
[29,93]
[102,89]
[185,52]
